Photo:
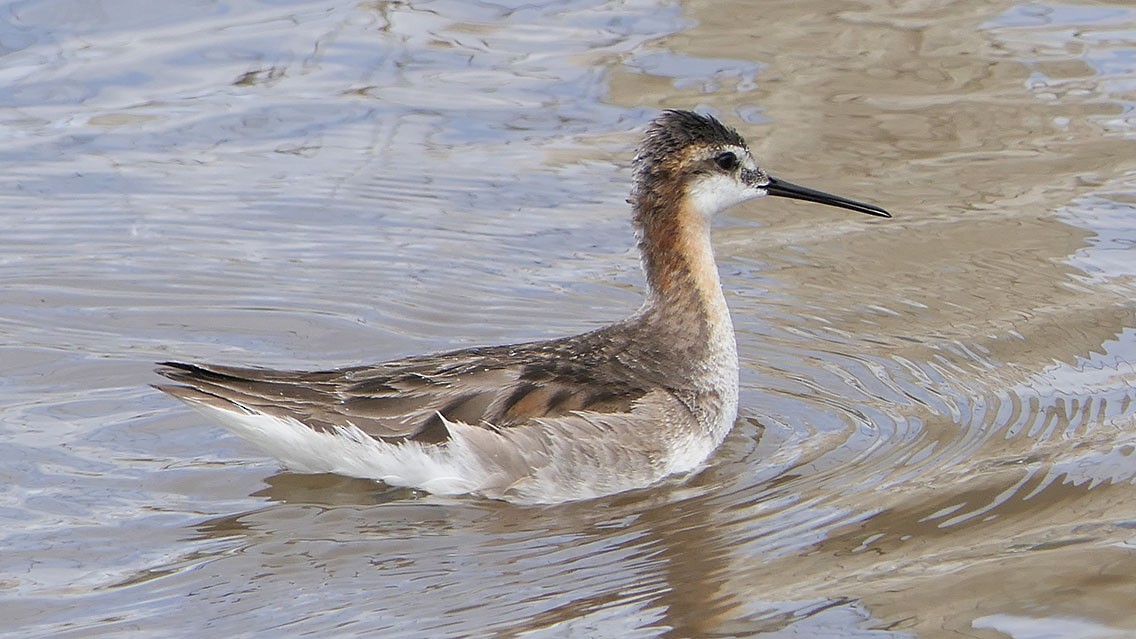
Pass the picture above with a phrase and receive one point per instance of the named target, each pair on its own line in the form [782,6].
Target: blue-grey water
[938,412]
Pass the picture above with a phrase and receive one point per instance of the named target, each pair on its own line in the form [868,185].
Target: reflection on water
[936,435]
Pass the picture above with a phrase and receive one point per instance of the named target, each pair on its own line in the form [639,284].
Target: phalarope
[541,422]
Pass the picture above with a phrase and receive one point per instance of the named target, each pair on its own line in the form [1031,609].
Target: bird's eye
[727,161]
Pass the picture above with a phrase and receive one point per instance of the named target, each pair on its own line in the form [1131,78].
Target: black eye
[726,161]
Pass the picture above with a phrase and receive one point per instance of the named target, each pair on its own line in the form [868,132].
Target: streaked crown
[674,133]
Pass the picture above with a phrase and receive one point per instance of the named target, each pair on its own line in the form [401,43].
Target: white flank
[442,470]
[545,466]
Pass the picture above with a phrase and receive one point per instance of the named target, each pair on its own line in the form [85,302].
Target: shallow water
[937,434]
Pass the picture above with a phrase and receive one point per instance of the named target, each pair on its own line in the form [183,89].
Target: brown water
[937,433]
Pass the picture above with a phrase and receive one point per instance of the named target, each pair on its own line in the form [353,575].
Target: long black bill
[781,188]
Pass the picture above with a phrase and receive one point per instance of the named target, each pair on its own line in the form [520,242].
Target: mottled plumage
[609,410]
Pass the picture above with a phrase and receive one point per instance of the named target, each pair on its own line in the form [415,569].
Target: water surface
[937,433]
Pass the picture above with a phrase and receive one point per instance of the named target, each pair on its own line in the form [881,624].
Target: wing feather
[412,398]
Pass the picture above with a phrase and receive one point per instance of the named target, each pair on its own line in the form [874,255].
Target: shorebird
[610,410]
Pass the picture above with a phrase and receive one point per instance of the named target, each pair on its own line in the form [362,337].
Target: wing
[496,387]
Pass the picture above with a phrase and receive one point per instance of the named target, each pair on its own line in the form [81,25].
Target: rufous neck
[682,278]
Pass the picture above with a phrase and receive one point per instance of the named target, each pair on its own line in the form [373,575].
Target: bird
[544,422]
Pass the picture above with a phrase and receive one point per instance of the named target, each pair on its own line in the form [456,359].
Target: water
[937,434]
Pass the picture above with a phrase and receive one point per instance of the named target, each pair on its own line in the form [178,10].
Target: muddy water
[937,434]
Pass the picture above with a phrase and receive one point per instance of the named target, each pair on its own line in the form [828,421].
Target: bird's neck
[684,294]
